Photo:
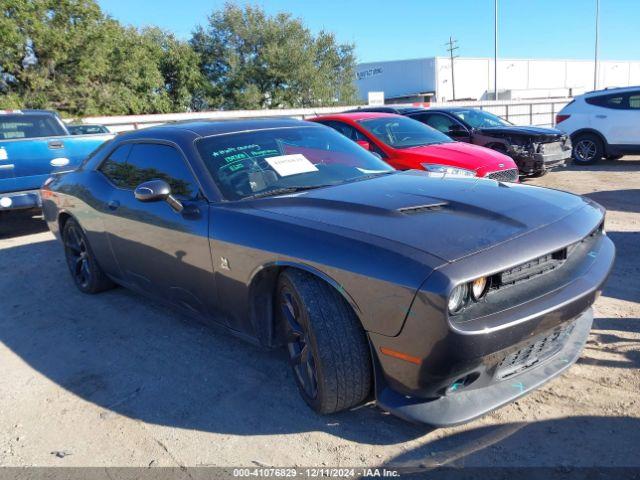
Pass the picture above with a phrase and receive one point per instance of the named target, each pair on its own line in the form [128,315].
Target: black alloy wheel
[75,249]
[298,346]
[85,271]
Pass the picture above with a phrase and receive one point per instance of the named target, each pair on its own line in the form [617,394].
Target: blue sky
[388,30]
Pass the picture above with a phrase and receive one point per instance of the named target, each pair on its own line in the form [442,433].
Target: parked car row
[439,295]
[534,150]
[406,144]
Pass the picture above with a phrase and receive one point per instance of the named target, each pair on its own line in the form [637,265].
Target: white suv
[604,123]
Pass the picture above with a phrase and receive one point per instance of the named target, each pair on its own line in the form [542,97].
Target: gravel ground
[113,380]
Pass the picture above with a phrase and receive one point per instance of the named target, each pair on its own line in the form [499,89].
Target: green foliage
[69,56]
[258,61]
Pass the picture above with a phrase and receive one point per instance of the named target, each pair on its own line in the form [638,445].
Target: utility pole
[451,48]
[595,57]
[495,49]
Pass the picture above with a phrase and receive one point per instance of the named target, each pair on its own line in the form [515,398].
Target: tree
[69,56]
[253,60]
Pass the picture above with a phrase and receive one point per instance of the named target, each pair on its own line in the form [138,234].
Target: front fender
[379,281]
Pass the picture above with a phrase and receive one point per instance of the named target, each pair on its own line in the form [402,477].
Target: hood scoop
[430,207]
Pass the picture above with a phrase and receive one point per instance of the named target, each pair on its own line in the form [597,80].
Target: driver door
[159,251]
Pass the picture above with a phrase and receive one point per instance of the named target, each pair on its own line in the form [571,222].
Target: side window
[346,130]
[634,101]
[438,121]
[113,165]
[149,161]
[353,134]
[609,101]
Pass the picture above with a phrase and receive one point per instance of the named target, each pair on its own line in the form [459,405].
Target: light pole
[595,56]
[495,50]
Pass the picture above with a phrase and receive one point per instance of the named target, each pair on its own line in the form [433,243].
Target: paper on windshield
[287,165]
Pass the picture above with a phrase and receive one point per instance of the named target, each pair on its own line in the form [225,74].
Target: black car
[442,298]
[535,150]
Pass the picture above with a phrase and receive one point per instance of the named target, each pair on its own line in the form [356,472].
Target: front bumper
[20,200]
[470,349]
[463,406]
[533,163]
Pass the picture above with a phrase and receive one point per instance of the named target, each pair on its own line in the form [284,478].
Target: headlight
[447,170]
[478,288]
[458,298]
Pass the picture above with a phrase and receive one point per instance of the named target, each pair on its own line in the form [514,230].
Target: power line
[452,46]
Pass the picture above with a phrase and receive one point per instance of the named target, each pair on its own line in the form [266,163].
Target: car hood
[460,154]
[536,132]
[446,217]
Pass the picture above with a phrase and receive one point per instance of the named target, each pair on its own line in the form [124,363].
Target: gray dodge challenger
[440,298]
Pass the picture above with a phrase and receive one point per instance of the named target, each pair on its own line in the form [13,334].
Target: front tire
[587,149]
[328,349]
[84,269]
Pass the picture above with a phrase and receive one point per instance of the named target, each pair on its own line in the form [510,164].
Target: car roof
[205,128]
[355,116]
[403,110]
[606,91]
[28,112]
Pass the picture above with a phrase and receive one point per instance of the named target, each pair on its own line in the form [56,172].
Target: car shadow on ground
[615,439]
[621,165]
[622,282]
[15,224]
[619,200]
[135,358]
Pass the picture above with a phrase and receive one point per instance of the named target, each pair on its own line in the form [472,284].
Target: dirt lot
[112,380]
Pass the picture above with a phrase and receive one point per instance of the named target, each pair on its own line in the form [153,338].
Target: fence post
[553,114]
[506,111]
[531,114]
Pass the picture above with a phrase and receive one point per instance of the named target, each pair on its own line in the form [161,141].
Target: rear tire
[587,149]
[328,349]
[84,269]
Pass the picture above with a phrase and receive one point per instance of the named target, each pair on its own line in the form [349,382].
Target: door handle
[113,205]
[55,144]
[601,116]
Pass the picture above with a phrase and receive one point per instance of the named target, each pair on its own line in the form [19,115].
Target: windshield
[402,132]
[265,162]
[480,118]
[29,126]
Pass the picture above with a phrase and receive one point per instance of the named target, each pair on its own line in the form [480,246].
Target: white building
[420,79]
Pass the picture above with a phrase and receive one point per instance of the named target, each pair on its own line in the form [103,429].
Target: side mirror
[155,190]
[364,144]
[457,129]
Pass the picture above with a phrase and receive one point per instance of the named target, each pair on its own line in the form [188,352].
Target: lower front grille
[510,175]
[538,351]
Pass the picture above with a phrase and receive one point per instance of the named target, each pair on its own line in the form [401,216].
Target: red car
[407,144]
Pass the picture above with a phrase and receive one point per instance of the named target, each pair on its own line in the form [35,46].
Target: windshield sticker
[286,165]
[3,154]
[234,158]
